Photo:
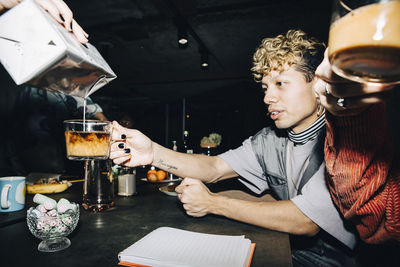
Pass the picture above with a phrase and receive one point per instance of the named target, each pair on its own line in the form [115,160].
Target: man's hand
[195,196]
[59,11]
[342,97]
[130,147]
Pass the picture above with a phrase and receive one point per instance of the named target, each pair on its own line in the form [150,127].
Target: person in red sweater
[362,159]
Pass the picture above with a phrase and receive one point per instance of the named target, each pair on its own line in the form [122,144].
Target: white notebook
[170,247]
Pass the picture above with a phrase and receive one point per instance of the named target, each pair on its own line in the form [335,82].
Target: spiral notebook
[171,247]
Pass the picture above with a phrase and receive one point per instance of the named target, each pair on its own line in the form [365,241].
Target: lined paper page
[175,247]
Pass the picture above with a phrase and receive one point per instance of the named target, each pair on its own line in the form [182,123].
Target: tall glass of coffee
[87,140]
[364,40]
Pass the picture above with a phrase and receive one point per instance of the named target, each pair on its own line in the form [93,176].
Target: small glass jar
[127,181]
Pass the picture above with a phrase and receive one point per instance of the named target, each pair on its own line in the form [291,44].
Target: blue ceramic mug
[12,193]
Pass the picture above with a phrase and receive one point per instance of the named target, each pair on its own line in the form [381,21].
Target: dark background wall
[138,38]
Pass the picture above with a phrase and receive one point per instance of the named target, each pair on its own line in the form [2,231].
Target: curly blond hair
[294,48]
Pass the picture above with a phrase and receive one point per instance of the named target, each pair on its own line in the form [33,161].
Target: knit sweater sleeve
[359,156]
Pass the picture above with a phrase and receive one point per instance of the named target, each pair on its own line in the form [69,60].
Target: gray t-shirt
[314,201]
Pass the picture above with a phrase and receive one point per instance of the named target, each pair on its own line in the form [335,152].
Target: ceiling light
[182,33]
[182,41]
[204,59]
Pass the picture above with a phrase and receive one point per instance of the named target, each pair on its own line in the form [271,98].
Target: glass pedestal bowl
[52,229]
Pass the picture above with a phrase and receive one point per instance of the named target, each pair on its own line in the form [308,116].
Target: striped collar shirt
[309,134]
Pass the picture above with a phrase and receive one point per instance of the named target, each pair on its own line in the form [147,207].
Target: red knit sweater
[363,174]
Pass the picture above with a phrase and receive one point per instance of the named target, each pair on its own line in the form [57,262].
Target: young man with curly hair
[285,159]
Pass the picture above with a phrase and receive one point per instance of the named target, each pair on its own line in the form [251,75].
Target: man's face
[290,98]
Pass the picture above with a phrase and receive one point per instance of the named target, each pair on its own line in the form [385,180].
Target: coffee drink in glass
[87,140]
[364,40]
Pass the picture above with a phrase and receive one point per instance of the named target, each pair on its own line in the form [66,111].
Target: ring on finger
[341,102]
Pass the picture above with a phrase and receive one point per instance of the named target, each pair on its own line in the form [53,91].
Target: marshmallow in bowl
[53,217]
[47,202]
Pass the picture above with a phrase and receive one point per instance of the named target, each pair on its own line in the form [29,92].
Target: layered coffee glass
[87,139]
[364,40]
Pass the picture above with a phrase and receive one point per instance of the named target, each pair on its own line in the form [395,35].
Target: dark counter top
[99,237]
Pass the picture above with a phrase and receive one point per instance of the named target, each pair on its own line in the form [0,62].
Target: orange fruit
[161,175]
[152,175]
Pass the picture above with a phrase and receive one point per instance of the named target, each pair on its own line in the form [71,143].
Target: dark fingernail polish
[121,145]
[62,18]
[127,150]
[123,137]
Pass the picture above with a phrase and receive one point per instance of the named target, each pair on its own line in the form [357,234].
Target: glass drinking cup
[364,40]
[87,140]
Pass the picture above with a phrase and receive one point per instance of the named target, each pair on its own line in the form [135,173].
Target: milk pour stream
[84,113]
[85,98]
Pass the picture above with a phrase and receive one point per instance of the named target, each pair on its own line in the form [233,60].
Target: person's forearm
[100,116]
[281,216]
[207,169]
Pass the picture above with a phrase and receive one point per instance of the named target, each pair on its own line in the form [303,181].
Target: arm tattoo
[169,167]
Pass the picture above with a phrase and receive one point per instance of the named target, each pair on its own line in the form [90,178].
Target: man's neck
[308,134]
